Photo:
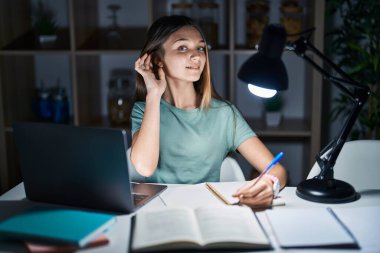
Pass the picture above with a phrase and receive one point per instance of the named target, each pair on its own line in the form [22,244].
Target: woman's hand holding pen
[254,194]
[144,67]
[260,191]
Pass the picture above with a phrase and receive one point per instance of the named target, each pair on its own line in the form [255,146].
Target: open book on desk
[218,227]
[220,193]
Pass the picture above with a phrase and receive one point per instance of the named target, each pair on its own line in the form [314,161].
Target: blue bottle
[44,105]
[60,106]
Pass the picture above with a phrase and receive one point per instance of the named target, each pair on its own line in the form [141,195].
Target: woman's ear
[157,63]
[155,58]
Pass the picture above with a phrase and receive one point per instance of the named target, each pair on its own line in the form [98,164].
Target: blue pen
[274,161]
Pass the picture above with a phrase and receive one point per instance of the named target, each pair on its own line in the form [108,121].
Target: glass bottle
[43,105]
[119,102]
[182,8]
[113,34]
[60,106]
[208,20]
[257,19]
[292,18]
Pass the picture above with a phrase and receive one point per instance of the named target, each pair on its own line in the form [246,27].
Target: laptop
[79,166]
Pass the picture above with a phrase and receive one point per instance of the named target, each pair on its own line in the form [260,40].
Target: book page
[226,189]
[191,196]
[310,227]
[230,224]
[164,225]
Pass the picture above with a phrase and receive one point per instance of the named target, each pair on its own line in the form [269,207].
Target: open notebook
[207,194]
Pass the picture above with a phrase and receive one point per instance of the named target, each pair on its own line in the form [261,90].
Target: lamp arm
[301,45]
[347,79]
[327,157]
[327,162]
[326,75]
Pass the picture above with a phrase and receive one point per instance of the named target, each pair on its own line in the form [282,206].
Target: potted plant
[273,113]
[355,46]
[44,24]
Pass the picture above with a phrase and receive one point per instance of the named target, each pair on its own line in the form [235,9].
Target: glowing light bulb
[261,92]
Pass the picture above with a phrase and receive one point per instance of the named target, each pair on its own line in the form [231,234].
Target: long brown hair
[158,33]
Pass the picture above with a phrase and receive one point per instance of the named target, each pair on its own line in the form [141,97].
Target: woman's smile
[193,67]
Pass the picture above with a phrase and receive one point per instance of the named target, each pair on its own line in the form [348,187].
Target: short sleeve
[242,130]
[137,116]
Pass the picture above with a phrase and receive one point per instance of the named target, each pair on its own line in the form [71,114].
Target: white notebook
[309,228]
[364,223]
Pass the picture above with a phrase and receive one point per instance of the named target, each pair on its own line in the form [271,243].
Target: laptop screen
[78,166]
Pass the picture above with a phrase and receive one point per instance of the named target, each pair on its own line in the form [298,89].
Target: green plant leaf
[355,46]
[44,21]
[273,104]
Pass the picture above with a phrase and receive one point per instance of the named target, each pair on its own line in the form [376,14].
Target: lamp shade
[265,68]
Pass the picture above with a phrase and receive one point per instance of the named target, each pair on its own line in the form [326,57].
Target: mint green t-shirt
[194,143]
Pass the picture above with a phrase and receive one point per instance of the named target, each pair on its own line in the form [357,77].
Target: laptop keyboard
[137,198]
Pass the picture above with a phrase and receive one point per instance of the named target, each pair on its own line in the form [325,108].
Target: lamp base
[326,191]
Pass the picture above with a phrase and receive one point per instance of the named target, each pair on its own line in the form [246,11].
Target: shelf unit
[82,59]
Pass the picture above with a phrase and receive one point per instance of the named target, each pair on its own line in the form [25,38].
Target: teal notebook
[62,226]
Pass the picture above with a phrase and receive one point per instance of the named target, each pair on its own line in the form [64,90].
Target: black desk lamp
[265,69]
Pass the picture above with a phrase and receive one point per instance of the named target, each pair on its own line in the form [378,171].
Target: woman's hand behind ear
[144,67]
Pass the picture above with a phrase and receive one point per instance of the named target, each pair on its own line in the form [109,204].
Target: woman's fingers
[147,63]
[244,188]
[263,201]
[143,65]
[252,188]
[138,66]
[256,195]
[254,191]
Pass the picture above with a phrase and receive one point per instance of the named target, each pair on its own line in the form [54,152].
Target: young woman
[181,130]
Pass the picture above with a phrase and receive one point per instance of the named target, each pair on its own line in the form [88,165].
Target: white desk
[14,200]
